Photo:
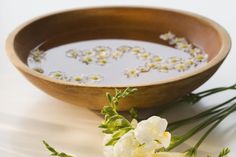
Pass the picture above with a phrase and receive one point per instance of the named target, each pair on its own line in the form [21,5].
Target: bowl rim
[223,52]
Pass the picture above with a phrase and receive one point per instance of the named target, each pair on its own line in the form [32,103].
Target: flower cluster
[36,55]
[78,78]
[146,139]
[197,56]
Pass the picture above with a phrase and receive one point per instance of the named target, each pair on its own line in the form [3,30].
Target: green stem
[218,89]
[174,125]
[209,131]
[203,125]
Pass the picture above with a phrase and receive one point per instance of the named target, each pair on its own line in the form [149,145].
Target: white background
[27,115]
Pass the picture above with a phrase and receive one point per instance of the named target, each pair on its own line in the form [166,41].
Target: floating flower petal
[124,48]
[167,36]
[175,41]
[72,53]
[102,61]
[132,73]
[58,75]
[37,55]
[137,50]
[95,78]
[87,59]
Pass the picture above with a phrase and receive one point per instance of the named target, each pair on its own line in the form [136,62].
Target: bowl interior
[119,23]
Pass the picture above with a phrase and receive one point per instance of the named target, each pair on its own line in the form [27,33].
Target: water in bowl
[118,61]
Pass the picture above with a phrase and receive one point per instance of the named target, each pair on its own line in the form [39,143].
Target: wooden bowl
[121,23]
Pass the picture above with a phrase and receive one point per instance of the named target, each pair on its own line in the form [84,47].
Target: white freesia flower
[107,150]
[152,129]
[126,145]
[147,137]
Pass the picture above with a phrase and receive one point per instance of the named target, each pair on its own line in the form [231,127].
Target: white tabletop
[28,116]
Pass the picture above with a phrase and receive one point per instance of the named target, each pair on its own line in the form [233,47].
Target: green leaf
[115,123]
[224,152]
[133,113]
[54,152]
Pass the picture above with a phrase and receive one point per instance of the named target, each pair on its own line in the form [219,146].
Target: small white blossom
[137,50]
[144,68]
[102,61]
[174,60]
[190,62]
[124,49]
[72,53]
[184,47]
[58,75]
[195,51]
[95,78]
[165,67]
[126,145]
[144,55]
[181,67]
[157,59]
[167,36]
[102,52]
[152,65]
[88,53]
[150,130]
[116,54]
[86,59]
[175,41]
[132,73]
[201,57]
[79,79]
[37,55]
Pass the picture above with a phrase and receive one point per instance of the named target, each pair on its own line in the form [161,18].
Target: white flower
[123,49]
[102,52]
[175,41]
[184,47]
[195,51]
[72,53]
[58,75]
[87,59]
[37,55]
[79,79]
[152,65]
[132,73]
[181,67]
[144,68]
[95,78]
[88,53]
[167,36]
[134,123]
[116,54]
[174,60]
[157,59]
[152,129]
[144,55]
[190,62]
[102,61]
[201,57]
[107,150]
[126,145]
[165,67]
[137,50]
